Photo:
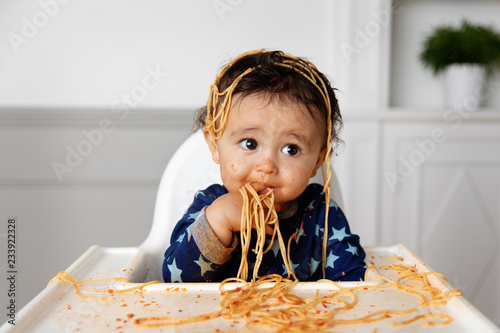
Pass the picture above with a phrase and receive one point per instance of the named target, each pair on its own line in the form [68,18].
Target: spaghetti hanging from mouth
[258,212]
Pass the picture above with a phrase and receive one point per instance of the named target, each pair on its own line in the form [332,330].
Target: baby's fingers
[269,230]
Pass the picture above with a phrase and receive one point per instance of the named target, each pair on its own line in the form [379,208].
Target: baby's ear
[212,145]
[319,162]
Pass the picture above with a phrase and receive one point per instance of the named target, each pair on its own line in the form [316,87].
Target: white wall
[411,85]
[89,53]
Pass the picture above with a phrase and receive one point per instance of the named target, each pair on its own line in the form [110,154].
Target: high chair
[190,169]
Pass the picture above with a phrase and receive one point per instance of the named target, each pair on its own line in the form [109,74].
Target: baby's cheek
[231,168]
[298,177]
[231,174]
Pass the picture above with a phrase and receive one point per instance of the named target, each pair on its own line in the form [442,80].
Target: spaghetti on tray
[268,302]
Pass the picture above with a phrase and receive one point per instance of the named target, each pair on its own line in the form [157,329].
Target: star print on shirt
[293,268]
[300,233]
[188,231]
[204,265]
[194,215]
[352,249]
[175,272]
[330,260]
[317,230]
[276,247]
[181,237]
[334,204]
[311,205]
[338,234]
[199,193]
[313,265]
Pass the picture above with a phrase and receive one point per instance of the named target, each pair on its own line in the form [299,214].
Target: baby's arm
[224,216]
[195,254]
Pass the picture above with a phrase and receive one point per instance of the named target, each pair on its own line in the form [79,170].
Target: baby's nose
[267,166]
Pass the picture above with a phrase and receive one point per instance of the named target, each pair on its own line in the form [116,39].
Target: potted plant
[464,56]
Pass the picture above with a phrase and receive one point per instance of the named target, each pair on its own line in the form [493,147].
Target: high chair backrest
[190,169]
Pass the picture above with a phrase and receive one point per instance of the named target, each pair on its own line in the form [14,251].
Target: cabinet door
[441,197]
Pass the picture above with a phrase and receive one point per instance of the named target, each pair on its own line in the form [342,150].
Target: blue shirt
[196,255]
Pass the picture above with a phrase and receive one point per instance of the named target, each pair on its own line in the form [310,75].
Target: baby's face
[269,145]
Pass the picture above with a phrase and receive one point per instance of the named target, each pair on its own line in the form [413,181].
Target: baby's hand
[224,216]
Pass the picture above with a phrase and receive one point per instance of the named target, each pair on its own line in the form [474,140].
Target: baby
[270,122]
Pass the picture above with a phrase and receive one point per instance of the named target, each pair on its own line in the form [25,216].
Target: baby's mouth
[262,188]
[263,191]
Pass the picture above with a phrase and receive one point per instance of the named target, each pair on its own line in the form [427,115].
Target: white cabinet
[434,185]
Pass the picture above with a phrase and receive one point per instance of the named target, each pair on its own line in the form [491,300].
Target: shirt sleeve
[195,253]
[344,256]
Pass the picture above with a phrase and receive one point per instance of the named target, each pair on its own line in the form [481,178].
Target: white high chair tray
[59,309]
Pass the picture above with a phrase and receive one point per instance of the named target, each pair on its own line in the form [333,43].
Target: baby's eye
[291,150]
[248,144]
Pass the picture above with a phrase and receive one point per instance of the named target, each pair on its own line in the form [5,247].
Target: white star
[317,229]
[293,268]
[313,265]
[175,272]
[276,247]
[352,249]
[301,232]
[181,237]
[311,206]
[194,215]
[334,204]
[338,234]
[204,265]
[188,231]
[330,260]
[199,193]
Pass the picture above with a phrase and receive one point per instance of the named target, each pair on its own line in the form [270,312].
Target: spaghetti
[269,302]
[81,284]
[258,212]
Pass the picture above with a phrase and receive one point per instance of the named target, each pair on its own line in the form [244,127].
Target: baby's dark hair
[280,76]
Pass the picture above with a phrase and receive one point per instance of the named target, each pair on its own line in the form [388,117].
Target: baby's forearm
[224,216]
[216,219]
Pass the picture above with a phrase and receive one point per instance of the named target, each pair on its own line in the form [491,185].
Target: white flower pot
[464,86]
